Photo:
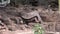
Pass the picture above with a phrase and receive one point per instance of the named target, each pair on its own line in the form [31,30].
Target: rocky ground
[11,22]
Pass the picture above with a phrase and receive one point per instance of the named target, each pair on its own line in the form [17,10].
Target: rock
[57,26]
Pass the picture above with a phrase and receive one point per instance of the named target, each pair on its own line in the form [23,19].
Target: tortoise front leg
[36,19]
[39,18]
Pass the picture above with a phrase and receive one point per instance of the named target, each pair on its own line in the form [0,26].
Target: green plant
[38,29]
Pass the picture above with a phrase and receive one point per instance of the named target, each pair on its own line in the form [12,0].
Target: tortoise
[30,15]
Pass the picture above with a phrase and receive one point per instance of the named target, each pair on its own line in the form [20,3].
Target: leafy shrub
[38,29]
